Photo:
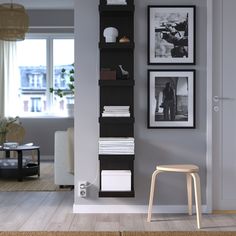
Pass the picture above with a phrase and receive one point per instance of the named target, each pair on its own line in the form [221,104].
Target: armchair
[64,157]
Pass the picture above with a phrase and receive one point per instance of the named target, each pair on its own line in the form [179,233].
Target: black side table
[21,171]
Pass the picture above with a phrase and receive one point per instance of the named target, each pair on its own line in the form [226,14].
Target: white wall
[153,146]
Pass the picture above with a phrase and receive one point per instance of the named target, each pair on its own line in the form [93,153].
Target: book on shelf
[116,139]
[115,153]
[116,111]
[116,107]
[116,146]
[116,2]
[115,115]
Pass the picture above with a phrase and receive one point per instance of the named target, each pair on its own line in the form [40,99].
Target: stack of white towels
[116,111]
[116,146]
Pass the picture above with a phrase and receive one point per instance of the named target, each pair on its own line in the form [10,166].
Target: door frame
[209,143]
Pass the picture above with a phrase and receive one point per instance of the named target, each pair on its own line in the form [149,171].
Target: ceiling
[43,4]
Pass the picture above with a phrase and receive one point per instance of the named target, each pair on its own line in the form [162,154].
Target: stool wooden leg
[155,173]
[197,190]
[189,192]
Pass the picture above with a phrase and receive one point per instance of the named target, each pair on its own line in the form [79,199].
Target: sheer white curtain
[9,79]
[1,81]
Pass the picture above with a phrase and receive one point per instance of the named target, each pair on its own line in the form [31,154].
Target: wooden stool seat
[191,172]
[178,168]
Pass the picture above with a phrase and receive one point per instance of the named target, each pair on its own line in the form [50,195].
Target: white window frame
[49,72]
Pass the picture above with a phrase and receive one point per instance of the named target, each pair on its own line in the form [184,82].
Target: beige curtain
[9,79]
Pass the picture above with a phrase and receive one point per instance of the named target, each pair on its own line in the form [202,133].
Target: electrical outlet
[82,189]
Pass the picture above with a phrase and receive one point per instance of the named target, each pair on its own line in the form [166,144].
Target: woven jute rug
[100,233]
[33,183]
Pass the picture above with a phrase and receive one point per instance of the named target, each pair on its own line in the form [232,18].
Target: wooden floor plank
[44,213]
[63,216]
[224,222]
[83,222]
[52,211]
[107,222]
[159,223]
[29,203]
[10,201]
[131,222]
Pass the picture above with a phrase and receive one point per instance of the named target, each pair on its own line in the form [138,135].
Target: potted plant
[67,75]
[5,122]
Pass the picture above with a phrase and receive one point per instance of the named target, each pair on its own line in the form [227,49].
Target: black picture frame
[178,109]
[171,35]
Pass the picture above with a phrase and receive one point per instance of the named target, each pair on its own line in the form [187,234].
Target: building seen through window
[40,62]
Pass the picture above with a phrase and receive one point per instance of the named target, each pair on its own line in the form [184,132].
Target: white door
[224,105]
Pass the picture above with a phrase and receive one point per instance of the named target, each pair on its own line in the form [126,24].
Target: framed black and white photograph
[171,98]
[171,35]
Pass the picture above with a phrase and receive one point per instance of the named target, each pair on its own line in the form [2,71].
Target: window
[40,62]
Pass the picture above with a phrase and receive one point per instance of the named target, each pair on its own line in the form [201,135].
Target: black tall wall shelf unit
[118,92]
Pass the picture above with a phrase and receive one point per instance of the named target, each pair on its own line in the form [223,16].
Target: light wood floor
[52,211]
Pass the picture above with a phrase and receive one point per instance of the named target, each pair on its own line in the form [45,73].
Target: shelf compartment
[121,9]
[116,194]
[117,157]
[116,96]
[13,172]
[117,130]
[112,59]
[127,82]
[116,162]
[116,46]
[116,120]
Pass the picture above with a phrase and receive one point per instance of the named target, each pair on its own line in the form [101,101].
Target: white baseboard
[132,209]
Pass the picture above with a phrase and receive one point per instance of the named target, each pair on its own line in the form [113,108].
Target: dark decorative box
[107,74]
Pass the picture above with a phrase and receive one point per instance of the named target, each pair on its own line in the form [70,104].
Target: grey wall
[86,94]
[41,130]
[43,21]
[153,146]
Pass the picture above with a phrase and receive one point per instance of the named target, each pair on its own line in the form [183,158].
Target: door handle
[217,98]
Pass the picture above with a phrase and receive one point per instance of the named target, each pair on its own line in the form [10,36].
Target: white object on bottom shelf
[116,180]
